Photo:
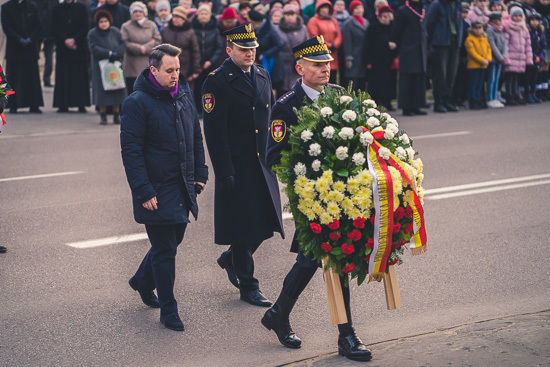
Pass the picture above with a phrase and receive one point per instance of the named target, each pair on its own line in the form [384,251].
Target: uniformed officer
[237,99]
[313,65]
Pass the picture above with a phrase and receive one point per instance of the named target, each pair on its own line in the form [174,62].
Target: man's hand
[228,183]
[199,187]
[392,45]
[151,204]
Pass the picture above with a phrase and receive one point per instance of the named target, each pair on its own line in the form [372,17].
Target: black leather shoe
[408,112]
[35,110]
[3,249]
[438,107]
[351,347]
[277,319]
[230,271]
[148,297]
[419,112]
[255,298]
[451,107]
[172,321]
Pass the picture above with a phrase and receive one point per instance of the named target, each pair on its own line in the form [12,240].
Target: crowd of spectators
[480,54]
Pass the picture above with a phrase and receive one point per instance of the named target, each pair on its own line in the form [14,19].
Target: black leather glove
[114,56]
[228,183]
[198,188]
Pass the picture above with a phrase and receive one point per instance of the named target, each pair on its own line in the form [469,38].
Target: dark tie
[248,77]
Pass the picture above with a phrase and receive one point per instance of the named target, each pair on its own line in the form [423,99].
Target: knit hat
[180,11]
[477,22]
[162,5]
[533,15]
[465,6]
[384,9]
[289,8]
[495,15]
[139,6]
[354,4]
[493,2]
[512,4]
[102,13]
[255,16]
[272,11]
[516,11]
[229,13]
[206,8]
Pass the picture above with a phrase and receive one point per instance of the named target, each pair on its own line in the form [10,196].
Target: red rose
[409,212]
[9,93]
[393,262]
[315,228]
[347,248]
[335,236]
[334,224]
[348,269]
[409,228]
[359,223]
[372,219]
[396,228]
[370,243]
[399,213]
[354,235]
[326,247]
[398,244]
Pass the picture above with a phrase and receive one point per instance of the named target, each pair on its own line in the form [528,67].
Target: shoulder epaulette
[336,86]
[213,72]
[286,97]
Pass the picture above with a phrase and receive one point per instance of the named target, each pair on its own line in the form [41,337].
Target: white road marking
[485,184]
[40,176]
[489,189]
[442,135]
[108,240]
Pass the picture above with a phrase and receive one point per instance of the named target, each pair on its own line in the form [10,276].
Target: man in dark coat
[21,24]
[237,100]
[313,65]
[163,155]
[70,29]
[45,8]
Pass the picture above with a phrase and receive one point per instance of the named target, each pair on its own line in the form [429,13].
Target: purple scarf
[172,90]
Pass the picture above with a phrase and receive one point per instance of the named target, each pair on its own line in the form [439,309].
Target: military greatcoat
[236,117]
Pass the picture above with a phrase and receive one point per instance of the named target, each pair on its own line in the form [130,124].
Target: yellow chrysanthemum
[324,196]
[395,203]
[353,185]
[364,177]
[409,197]
[318,209]
[300,181]
[420,193]
[333,209]
[347,204]
[397,186]
[322,185]
[327,175]
[325,218]
[335,196]
[339,186]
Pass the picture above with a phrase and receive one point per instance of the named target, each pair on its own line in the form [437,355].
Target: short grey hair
[155,59]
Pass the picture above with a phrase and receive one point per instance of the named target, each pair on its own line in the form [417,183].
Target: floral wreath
[5,92]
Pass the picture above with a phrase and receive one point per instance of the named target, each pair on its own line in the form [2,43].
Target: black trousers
[444,61]
[158,268]
[48,61]
[298,278]
[530,80]
[243,263]
[512,85]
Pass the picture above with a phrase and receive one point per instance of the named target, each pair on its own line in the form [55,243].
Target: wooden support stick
[393,298]
[335,298]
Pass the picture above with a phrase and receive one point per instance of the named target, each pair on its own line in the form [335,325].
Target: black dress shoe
[451,107]
[148,297]
[172,321]
[82,109]
[408,112]
[230,271]
[35,110]
[438,107]
[277,319]
[256,298]
[351,347]
[419,112]
[3,249]
[62,110]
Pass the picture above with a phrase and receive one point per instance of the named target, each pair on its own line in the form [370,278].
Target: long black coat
[409,33]
[236,118]
[21,21]
[382,80]
[162,151]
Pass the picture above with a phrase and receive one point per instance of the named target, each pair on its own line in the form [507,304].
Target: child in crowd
[496,5]
[162,14]
[479,10]
[520,54]
[479,56]
[499,51]
[460,88]
[538,45]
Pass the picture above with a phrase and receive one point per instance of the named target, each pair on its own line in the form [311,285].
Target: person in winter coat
[292,32]
[206,31]
[45,8]
[543,83]
[163,156]
[20,23]
[141,36]
[179,33]
[227,20]
[353,36]
[324,24]
[538,45]
[520,55]
[479,56]
[162,14]
[380,58]
[340,13]
[499,52]
[479,11]
[105,43]
[70,29]
[409,36]
[119,12]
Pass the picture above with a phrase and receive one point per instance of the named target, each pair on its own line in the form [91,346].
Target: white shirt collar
[311,93]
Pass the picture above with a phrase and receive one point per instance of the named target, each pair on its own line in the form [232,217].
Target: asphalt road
[67,306]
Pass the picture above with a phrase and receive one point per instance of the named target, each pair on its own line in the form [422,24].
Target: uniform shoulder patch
[335,86]
[213,72]
[208,102]
[287,96]
[278,130]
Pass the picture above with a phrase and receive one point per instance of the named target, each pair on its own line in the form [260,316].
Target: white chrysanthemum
[372,122]
[326,111]
[401,153]
[358,159]
[300,169]
[342,153]
[349,115]
[373,112]
[394,129]
[346,132]
[384,153]
[306,135]
[386,115]
[410,153]
[366,138]
[370,103]
[388,134]
[405,139]
[314,150]
[345,99]
[392,121]
[316,165]
[328,131]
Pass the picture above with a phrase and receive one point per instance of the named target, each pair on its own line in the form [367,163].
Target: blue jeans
[476,83]
[492,82]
